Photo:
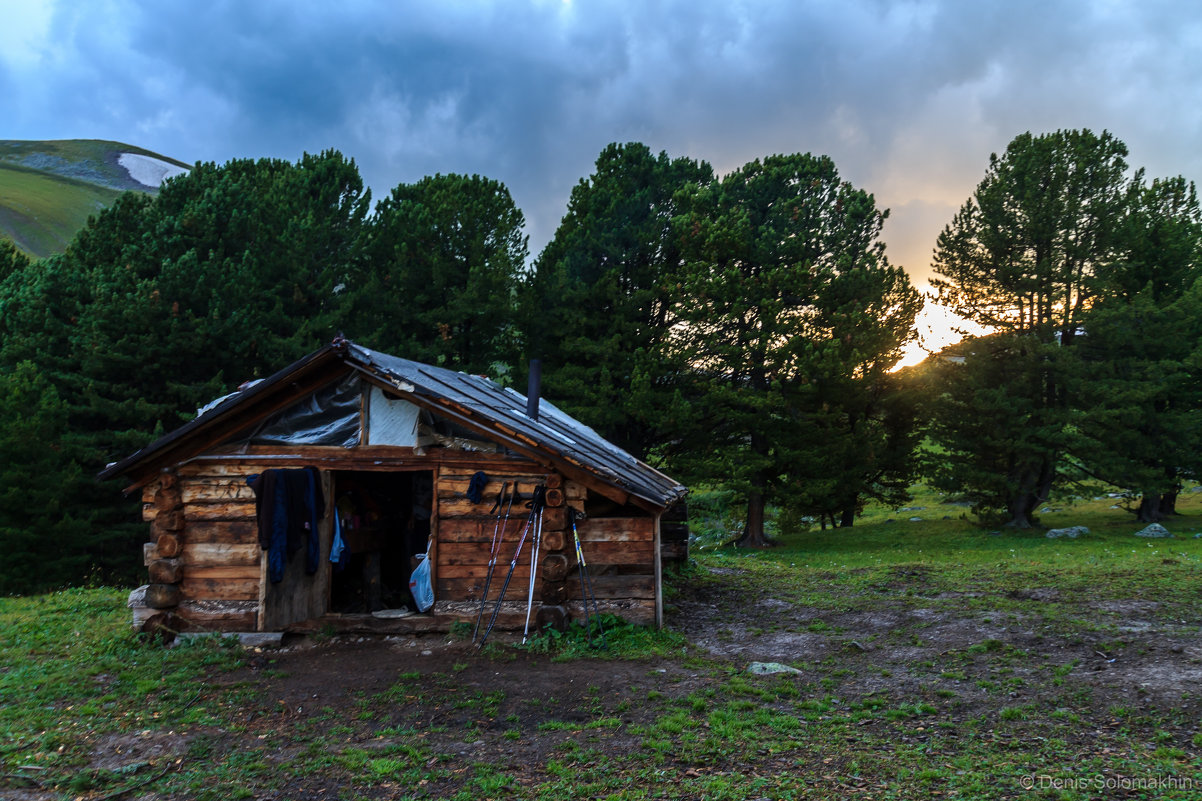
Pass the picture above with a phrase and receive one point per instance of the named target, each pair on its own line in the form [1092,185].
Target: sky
[908,98]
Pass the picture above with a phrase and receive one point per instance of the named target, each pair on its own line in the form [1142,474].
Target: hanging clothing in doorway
[288,504]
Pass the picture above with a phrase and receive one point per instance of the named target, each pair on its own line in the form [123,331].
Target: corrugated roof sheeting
[553,430]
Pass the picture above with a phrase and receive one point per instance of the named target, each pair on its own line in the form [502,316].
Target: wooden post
[552,616]
[168,545]
[163,596]
[554,540]
[659,578]
[555,518]
[166,571]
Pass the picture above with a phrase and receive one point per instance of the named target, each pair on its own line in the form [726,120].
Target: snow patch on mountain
[149,171]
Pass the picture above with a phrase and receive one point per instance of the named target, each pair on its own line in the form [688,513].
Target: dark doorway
[384,521]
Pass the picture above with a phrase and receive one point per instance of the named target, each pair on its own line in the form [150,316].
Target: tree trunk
[1019,509]
[1036,487]
[848,518]
[1168,504]
[1149,509]
[1047,477]
[753,534]
[1168,500]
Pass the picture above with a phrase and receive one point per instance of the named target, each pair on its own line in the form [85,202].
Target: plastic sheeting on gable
[330,416]
[333,416]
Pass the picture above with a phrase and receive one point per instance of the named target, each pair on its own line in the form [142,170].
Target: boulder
[1154,532]
[768,668]
[1072,532]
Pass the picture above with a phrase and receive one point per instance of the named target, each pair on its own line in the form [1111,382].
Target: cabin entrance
[384,522]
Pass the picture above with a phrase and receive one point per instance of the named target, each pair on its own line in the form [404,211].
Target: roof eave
[232,415]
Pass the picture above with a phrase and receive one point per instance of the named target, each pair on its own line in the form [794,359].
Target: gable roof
[474,402]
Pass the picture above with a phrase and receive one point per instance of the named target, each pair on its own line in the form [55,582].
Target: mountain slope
[49,189]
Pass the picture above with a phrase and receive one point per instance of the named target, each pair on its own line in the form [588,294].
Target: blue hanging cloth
[475,488]
[289,506]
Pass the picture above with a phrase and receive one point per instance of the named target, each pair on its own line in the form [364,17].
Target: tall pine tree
[161,304]
[598,306]
[1139,388]
[1026,256]
[788,315]
[46,539]
[438,279]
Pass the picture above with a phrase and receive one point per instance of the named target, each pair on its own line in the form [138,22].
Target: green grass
[1025,696]
[48,189]
[609,638]
[74,672]
[41,212]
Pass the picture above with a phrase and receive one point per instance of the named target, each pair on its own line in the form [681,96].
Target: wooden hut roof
[474,402]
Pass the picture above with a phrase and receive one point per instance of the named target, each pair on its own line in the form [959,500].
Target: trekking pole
[538,538]
[498,536]
[535,510]
[586,587]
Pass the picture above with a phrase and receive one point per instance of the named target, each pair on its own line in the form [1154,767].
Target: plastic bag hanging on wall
[420,584]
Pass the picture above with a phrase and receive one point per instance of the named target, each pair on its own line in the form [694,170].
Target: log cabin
[401,461]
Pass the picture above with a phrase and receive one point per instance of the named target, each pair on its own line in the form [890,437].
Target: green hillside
[49,189]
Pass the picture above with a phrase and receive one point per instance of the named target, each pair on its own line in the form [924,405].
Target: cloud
[909,97]
[25,33]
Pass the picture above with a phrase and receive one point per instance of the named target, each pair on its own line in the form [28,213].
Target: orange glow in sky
[937,328]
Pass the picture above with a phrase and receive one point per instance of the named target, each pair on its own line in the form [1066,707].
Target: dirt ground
[512,710]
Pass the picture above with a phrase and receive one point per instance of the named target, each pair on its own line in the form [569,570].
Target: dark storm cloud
[908,97]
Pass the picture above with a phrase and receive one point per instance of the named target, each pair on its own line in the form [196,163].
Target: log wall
[219,548]
[674,534]
[205,539]
[619,552]
[465,532]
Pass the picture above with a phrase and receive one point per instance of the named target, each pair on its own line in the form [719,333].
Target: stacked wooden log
[166,510]
[465,532]
[554,559]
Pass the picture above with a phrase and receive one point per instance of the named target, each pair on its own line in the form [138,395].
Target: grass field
[930,659]
[48,189]
[43,212]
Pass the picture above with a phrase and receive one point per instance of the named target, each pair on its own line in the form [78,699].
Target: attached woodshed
[304,502]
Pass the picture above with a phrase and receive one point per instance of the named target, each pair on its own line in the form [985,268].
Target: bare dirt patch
[321,719]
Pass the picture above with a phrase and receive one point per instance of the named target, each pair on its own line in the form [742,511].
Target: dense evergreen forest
[740,331]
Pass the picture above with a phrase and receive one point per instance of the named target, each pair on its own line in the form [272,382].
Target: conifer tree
[788,314]
[47,540]
[161,304]
[438,279]
[11,259]
[227,276]
[1026,255]
[598,306]
[1139,388]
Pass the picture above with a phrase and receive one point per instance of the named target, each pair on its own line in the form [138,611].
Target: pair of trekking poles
[534,523]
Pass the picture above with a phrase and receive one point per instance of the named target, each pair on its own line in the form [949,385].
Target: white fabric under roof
[391,421]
